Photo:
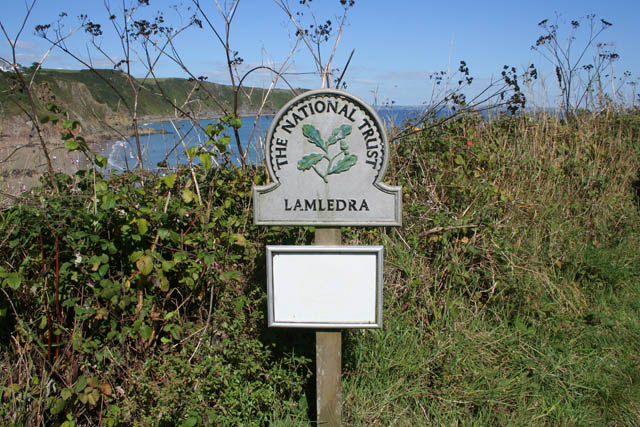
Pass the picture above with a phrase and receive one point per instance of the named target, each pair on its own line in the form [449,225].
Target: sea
[167,146]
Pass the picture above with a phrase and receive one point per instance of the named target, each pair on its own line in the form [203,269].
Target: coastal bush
[112,284]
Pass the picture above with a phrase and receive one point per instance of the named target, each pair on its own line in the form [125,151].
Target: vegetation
[88,98]
[511,291]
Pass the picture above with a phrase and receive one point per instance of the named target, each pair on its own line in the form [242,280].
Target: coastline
[22,162]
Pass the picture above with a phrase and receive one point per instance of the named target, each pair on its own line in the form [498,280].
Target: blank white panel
[339,288]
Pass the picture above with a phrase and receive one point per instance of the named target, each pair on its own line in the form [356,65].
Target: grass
[523,308]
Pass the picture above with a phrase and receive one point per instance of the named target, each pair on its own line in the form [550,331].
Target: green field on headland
[100,97]
[511,292]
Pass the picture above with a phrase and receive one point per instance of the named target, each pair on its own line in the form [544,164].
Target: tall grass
[511,293]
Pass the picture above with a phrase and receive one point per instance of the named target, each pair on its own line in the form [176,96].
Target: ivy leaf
[313,136]
[228,276]
[108,201]
[308,161]
[190,422]
[339,134]
[344,164]
[93,397]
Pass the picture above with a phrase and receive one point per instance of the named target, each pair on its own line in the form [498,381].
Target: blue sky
[397,43]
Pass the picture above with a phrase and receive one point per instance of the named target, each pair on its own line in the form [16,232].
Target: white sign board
[325,286]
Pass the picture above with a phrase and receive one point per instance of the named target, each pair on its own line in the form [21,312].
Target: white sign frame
[352,298]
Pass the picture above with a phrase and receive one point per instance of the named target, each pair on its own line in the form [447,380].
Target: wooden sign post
[326,153]
[328,355]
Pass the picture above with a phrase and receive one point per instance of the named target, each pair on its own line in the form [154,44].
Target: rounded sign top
[334,126]
[327,153]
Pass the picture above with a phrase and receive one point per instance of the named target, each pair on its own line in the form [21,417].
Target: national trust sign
[327,153]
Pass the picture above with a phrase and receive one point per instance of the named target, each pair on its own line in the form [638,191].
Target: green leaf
[192,152]
[205,158]
[101,187]
[80,384]
[339,134]
[459,160]
[144,265]
[238,239]
[108,201]
[57,407]
[313,136]
[67,124]
[232,120]
[230,275]
[190,422]
[208,259]
[344,164]
[93,397]
[187,196]
[66,394]
[101,161]
[222,143]
[163,282]
[239,303]
[13,280]
[235,122]
[145,331]
[169,180]
[102,271]
[308,161]
[344,147]
[143,226]
[71,145]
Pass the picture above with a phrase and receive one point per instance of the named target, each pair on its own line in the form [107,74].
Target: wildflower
[469,143]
